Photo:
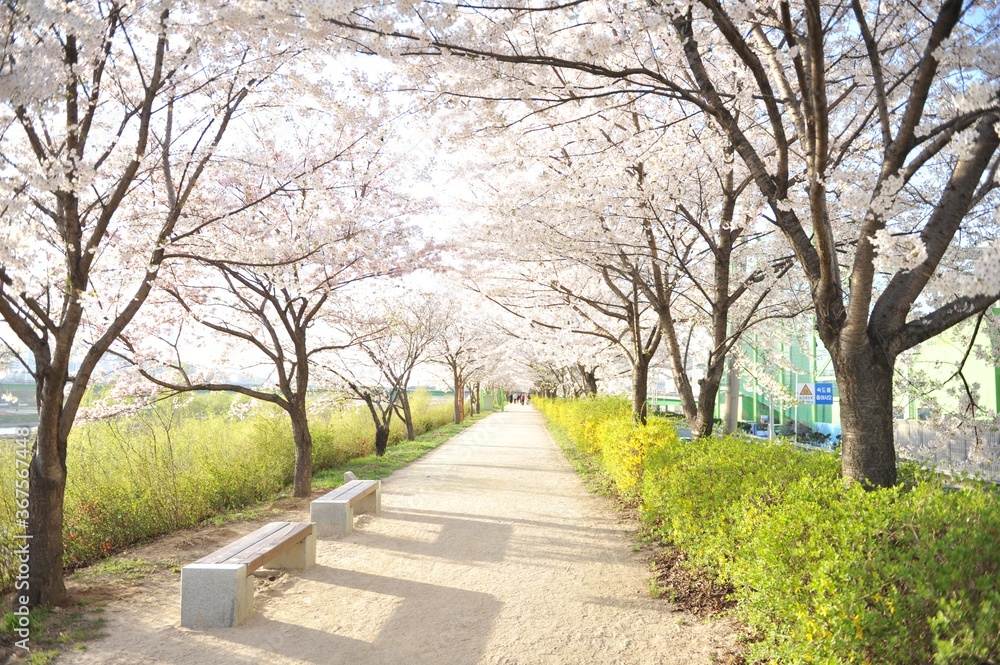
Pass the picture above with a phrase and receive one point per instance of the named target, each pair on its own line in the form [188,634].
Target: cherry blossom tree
[531,352]
[701,270]
[433,328]
[466,344]
[274,289]
[395,334]
[509,359]
[620,303]
[564,364]
[489,370]
[659,211]
[555,290]
[870,132]
[364,381]
[114,115]
[552,379]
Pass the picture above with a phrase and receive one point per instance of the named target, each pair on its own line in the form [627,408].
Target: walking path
[488,550]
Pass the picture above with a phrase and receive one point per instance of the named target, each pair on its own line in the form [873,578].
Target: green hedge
[823,571]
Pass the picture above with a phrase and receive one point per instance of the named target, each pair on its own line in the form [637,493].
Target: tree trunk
[699,411]
[302,486]
[381,440]
[404,402]
[676,354]
[732,397]
[640,385]
[44,542]
[47,484]
[589,380]
[459,399]
[865,382]
[708,395]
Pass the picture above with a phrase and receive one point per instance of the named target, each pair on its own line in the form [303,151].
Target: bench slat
[223,554]
[255,549]
[348,491]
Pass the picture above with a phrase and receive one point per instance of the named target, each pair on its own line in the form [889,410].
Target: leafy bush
[132,478]
[581,418]
[823,571]
[625,446]
[602,427]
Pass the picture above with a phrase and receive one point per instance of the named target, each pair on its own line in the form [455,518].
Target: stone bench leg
[332,518]
[372,503]
[301,556]
[215,595]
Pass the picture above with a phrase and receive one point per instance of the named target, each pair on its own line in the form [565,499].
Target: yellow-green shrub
[581,418]
[624,447]
[823,571]
[603,427]
[133,478]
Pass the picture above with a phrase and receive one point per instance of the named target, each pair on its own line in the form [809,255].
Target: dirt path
[488,550]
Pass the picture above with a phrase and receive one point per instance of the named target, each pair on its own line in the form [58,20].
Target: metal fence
[974,453]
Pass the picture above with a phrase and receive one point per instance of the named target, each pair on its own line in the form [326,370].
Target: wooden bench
[333,513]
[217,590]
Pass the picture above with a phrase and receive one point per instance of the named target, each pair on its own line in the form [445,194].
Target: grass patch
[121,568]
[43,657]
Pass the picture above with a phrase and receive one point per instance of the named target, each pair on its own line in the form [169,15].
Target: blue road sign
[824,393]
